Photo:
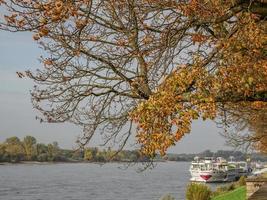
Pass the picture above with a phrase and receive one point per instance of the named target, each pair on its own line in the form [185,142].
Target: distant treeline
[15,150]
[28,149]
[237,155]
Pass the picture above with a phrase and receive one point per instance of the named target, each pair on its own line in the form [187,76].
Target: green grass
[237,194]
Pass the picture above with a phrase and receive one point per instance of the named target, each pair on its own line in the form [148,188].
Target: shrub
[231,187]
[198,191]
[242,181]
[222,189]
[167,197]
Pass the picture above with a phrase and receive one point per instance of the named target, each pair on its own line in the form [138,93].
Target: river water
[82,181]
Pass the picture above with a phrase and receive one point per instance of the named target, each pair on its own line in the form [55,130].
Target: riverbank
[255,188]
[236,194]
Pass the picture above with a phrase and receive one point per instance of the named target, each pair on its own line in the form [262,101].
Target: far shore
[72,162]
[38,163]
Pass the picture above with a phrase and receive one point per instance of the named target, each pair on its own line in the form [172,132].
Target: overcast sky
[18,52]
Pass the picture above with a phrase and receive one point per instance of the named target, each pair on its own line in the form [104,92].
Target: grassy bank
[237,194]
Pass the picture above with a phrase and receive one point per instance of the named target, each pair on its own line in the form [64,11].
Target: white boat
[259,172]
[242,168]
[258,168]
[216,170]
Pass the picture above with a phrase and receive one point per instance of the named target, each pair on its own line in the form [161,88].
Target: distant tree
[94,151]
[41,148]
[29,144]
[42,152]
[53,151]
[3,155]
[100,156]
[13,141]
[14,149]
[78,155]
[50,152]
[134,156]
[66,154]
[207,153]
[88,155]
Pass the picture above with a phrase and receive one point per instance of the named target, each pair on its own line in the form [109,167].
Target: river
[87,181]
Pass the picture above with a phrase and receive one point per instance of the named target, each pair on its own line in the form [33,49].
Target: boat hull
[212,176]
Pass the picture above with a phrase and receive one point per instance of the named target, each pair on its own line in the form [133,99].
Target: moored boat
[216,170]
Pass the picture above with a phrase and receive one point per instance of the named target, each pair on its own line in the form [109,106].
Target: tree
[241,122]
[3,155]
[53,151]
[88,155]
[14,149]
[41,148]
[29,144]
[42,152]
[158,63]
[13,141]
[101,156]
